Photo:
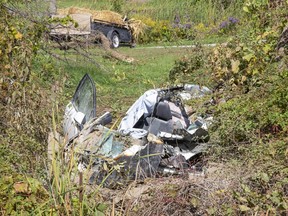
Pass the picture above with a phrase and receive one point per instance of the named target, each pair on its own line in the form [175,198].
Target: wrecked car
[155,137]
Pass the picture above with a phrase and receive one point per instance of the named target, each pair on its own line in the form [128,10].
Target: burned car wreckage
[154,138]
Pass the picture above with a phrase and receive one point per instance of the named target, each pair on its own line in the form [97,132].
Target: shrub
[228,25]
[190,68]
[164,31]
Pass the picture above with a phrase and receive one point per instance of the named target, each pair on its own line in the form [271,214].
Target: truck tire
[115,40]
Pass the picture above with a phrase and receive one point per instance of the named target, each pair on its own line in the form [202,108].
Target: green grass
[196,11]
[93,4]
[120,83]
[206,40]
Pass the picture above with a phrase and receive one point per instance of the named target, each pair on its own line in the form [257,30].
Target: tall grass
[195,11]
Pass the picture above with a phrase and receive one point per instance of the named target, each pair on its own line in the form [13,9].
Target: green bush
[21,195]
[258,113]
[251,117]
[163,31]
[191,69]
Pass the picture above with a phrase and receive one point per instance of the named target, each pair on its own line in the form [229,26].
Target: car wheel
[115,40]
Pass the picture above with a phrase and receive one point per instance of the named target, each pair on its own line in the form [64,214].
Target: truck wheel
[115,40]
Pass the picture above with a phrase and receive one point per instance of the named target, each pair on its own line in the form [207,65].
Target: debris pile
[156,136]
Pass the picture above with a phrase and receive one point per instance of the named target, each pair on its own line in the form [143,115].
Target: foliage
[164,31]
[250,121]
[228,25]
[247,65]
[241,60]
[197,10]
[117,5]
[262,187]
[266,116]
[20,194]
[251,126]
[251,65]
[255,103]
[164,13]
[189,68]
[240,63]
[265,190]
[202,31]
[26,102]
[68,195]
[21,96]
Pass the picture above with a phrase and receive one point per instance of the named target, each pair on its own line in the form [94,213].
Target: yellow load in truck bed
[105,15]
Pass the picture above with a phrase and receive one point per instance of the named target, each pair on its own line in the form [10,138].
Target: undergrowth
[170,21]
[249,76]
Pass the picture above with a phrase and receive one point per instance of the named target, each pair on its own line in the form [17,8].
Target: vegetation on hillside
[249,76]
[26,106]
[170,20]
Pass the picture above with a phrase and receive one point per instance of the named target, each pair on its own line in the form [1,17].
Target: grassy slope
[121,82]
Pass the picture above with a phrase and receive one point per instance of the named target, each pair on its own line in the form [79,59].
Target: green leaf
[235,66]
[266,48]
[275,200]
[244,208]
[229,211]
[102,207]
[242,199]
[248,57]
[245,188]
[211,211]
[265,177]
[255,71]
[245,8]
[194,202]
[98,213]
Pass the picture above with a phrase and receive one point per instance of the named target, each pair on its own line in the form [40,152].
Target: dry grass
[137,27]
[105,15]
[188,194]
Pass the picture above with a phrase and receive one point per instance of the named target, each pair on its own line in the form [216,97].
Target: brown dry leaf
[243,79]
[21,187]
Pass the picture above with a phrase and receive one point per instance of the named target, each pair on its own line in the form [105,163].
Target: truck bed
[87,26]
